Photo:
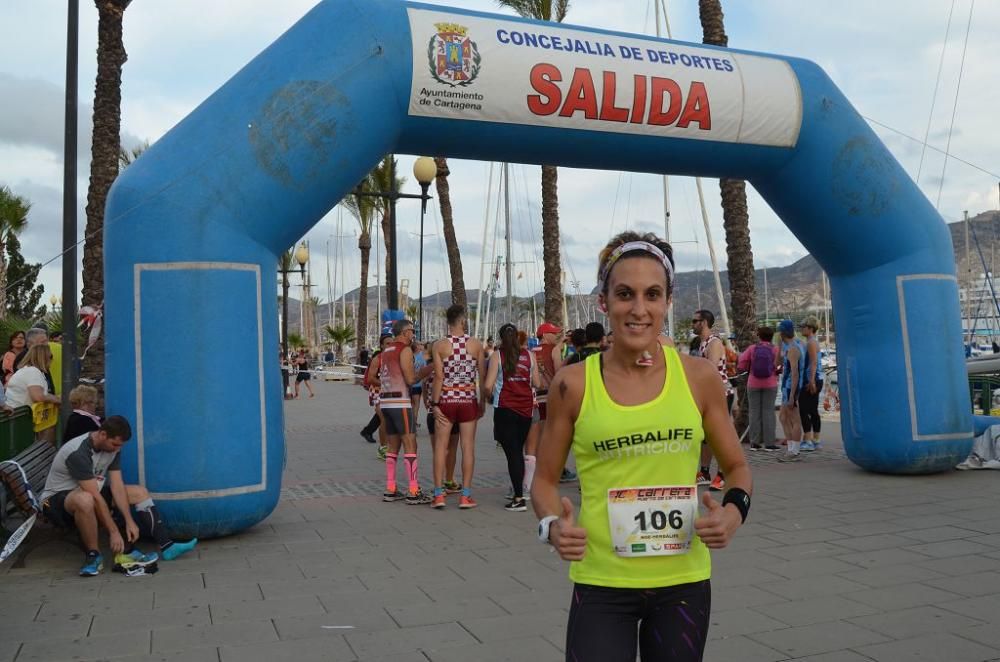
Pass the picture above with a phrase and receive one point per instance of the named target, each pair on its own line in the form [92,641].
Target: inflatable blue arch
[196,224]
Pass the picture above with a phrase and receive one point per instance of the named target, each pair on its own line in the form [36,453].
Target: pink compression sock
[529,472]
[410,461]
[390,471]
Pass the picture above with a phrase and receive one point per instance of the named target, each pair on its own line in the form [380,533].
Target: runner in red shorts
[458,362]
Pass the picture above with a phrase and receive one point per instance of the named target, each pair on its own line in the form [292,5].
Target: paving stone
[406,595]
[734,622]
[724,575]
[987,635]
[982,583]
[818,638]
[166,598]
[816,610]
[62,626]
[285,573]
[353,619]
[223,612]
[517,650]
[168,640]
[307,587]
[940,533]
[808,567]
[882,558]
[443,612]
[984,608]
[890,576]
[325,649]
[148,619]
[936,647]
[914,622]
[471,589]
[513,626]
[878,541]
[199,655]
[949,548]
[737,597]
[51,649]
[815,586]
[807,551]
[903,596]
[402,640]
[836,656]
[739,648]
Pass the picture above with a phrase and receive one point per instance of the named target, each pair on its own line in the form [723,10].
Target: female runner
[635,417]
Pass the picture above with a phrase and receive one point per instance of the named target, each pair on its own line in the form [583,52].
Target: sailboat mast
[715,264]
[666,184]
[506,219]
[482,259]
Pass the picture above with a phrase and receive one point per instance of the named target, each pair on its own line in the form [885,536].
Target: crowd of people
[84,489]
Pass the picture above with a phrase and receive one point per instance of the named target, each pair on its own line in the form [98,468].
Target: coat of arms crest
[453,56]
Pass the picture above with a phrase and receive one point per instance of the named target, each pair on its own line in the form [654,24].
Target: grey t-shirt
[78,460]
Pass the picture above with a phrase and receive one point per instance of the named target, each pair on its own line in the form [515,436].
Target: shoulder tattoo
[562,389]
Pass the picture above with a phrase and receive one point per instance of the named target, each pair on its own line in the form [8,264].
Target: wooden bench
[21,481]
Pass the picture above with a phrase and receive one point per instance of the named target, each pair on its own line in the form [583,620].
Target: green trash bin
[17,432]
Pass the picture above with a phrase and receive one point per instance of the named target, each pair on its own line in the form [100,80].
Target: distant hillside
[794,288]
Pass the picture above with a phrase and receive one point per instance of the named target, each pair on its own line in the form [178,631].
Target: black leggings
[809,408]
[672,623]
[511,430]
[372,425]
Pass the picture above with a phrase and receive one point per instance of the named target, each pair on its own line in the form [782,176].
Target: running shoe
[467,502]
[418,498]
[176,549]
[135,558]
[818,444]
[451,487]
[718,484]
[438,501]
[772,447]
[790,457]
[702,479]
[93,566]
[516,506]
[380,452]
[756,447]
[807,446]
[567,476]
[368,436]
[395,495]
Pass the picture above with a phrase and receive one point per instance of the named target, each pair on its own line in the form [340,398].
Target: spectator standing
[760,360]
[712,347]
[792,370]
[15,346]
[812,384]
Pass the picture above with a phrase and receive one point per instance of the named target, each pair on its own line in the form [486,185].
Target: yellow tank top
[653,444]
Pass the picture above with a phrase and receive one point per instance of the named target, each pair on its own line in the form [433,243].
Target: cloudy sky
[884,55]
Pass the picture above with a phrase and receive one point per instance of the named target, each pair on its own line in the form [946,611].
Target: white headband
[627,248]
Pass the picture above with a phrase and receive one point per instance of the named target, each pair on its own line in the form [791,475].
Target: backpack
[762,361]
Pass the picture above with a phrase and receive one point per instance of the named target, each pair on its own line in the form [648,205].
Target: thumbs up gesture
[718,524]
[568,539]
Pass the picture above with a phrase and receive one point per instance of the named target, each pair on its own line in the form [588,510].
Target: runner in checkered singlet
[456,400]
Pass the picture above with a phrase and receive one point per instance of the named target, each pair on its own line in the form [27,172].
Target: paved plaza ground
[834,565]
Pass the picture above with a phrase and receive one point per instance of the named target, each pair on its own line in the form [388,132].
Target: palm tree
[127,157]
[363,208]
[411,312]
[382,181]
[104,154]
[296,341]
[735,221]
[339,336]
[450,240]
[13,219]
[547,10]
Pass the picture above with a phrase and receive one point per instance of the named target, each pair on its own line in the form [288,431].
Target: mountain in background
[792,290]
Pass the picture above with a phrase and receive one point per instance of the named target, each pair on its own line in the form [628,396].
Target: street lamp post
[301,256]
[392,195]
[424,169]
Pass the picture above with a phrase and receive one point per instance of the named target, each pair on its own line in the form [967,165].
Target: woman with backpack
[761,361]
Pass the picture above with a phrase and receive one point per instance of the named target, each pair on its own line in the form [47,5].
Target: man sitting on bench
[85,489]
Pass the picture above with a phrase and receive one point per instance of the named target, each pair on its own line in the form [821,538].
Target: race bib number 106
[652,521]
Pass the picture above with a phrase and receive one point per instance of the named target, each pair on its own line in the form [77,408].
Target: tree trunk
[550,246]
[387,237]
[736,222]
[3,280]
[105,147]
[361,317]
[450,241]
